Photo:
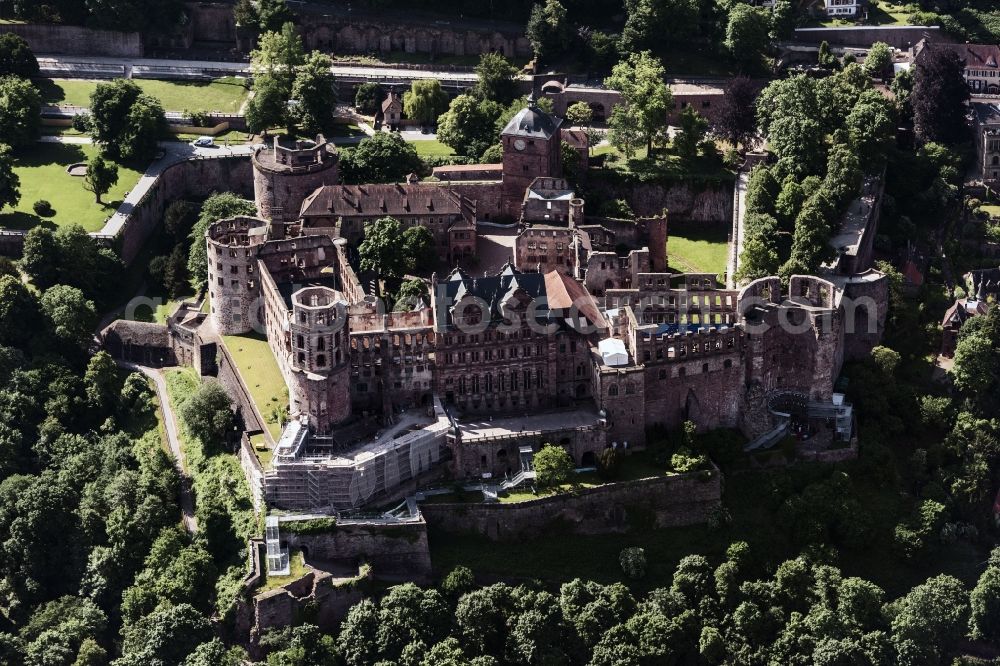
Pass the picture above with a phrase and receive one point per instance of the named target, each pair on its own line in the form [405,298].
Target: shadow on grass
[21,221]
[43,154]
[51,92]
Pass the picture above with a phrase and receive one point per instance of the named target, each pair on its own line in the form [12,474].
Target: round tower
[286,172]
[233,283]
[320,356]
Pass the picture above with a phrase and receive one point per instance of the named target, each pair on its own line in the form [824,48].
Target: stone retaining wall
[75,40]
[668,501]
[196,178]
[685,201]
[899,36]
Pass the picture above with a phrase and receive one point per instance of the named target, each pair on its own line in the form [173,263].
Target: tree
[274,64]
[208,415]
[645,100]
[737,120]
[125,121]
[984,619]
[879,60]
[368,98]
[469,125]
[412,294]
[747,33]
[929,620]
[216,207]
[215,653]
[939,96]
[902,88]
[495,80]
[16,57]
[101,380]
[18,311]
[549,30]
[976,365]
[872,127]
[421,252]
[165,636]
[458,581]
[274,14]
[69,313]
[245,14]
[268,107]
[10,183]
[101,176]
[315,93]
[382,158]
[759,257]
[20,110]
[633,562]
[579,113]
[425,101]
[39,258]
[693,127]
[382,250]
[553,466]
[649,22]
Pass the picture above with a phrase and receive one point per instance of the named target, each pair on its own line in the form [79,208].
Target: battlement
[300,156]
[238,232]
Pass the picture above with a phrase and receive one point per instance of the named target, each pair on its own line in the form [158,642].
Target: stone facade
[233,280]
[668,501]
[284,175]
[76,40]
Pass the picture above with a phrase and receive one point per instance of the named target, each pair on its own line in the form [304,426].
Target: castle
[567,342]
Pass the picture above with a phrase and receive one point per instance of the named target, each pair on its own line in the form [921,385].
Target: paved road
[73,66]
[173,153]
[173,439]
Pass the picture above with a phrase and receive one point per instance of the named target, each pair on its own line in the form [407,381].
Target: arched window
[613,389]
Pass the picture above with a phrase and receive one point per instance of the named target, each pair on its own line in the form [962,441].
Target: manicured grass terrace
[259,370]
[225,95]
[698,249]
[432,148]
[42,170]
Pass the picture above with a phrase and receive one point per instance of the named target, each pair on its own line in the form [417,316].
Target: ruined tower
[285,173]
[233,283]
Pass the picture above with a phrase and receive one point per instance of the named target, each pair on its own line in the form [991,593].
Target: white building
[843,8]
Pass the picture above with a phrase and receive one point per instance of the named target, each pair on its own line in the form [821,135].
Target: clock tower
[531,143]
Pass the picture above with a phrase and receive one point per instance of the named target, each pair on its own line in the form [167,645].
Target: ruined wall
[705,390]
[500,455]
[391,549]
[667,501]
[76,40]
[195,178]
[686,201]
[211,22]
[229,378]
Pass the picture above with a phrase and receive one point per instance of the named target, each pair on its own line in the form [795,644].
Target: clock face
[519,144]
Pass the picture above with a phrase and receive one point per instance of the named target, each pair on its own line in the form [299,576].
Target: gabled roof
[566,293]
[532,122]
[394,199]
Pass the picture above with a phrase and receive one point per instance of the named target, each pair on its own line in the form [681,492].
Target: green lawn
[993,210]
[260,373]
[225,95]
[297,569]
[42,170]
[432,148]
[167,306]
[703,249]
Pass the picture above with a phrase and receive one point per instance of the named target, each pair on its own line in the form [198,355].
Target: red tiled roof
[564,293]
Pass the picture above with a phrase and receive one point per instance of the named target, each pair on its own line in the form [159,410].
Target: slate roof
[559,291]
[533,123]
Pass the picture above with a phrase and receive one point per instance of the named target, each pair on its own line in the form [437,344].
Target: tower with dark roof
[531,143]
